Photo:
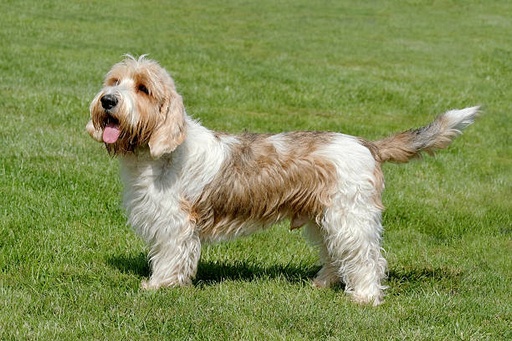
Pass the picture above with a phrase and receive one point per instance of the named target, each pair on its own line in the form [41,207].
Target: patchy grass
[70,268]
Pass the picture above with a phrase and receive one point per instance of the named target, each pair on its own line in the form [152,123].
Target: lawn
[70,268]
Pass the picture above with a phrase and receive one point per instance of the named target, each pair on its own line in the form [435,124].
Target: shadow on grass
[400,280]
[212,272]
[404,280]
[130,264]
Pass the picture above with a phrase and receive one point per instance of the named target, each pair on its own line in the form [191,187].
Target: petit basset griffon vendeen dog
[185,185]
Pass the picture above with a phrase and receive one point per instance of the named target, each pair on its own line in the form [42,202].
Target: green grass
[69,266]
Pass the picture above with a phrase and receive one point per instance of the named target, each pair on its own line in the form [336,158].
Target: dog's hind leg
[352,238]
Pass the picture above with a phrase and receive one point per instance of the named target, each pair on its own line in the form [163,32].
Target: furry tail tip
[460,119]
[437,135]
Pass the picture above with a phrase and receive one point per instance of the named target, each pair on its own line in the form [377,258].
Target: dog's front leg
[173,258]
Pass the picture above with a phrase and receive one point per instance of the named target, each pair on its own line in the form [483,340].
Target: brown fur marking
[258,184]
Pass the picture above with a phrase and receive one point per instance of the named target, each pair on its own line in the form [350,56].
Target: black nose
[108,101]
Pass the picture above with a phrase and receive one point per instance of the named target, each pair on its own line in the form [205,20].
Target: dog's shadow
[214,272]
[130,264]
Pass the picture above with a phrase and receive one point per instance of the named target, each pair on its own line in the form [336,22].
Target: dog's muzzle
[111,128]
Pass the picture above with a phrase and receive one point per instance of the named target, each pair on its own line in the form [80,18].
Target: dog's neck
[191,164]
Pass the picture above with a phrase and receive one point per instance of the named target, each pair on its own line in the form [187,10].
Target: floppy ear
[170,132]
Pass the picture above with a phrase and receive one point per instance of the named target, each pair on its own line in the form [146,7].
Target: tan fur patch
[260,185]
[397,148]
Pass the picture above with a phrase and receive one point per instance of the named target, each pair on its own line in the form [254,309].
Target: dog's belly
[241,203]
[230,228]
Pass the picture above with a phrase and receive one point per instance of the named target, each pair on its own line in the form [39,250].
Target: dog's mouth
[112,131]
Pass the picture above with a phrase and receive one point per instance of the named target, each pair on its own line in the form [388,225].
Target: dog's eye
[142,88]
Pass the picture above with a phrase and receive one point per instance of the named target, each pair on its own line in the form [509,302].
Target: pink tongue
[111,133]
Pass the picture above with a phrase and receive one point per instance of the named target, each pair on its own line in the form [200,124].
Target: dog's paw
[152,284]
[326,278]
[373,300]
[145,285]
[321,283]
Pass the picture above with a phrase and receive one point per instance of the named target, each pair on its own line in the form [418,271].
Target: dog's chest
[150,191]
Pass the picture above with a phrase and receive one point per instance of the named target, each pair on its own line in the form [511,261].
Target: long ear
[170,132]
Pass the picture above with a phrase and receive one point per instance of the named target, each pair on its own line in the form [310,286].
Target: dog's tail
[439,134]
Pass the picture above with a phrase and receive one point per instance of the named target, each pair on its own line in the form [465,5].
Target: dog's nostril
[108,101]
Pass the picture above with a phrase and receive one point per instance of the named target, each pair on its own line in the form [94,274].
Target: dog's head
[138,107]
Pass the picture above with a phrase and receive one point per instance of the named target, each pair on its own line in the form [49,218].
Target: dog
[185,185]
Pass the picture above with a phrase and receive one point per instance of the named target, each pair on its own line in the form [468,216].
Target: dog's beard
[116,137]
[122,146]
[122,139]
[119,141]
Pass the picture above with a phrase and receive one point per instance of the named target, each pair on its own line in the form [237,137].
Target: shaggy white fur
[185,184]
